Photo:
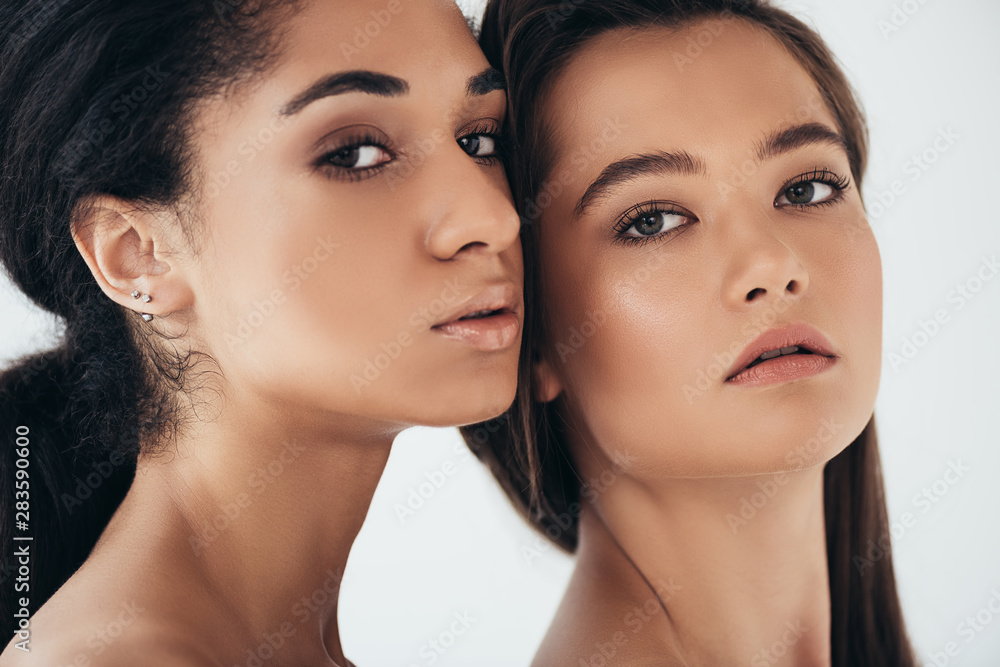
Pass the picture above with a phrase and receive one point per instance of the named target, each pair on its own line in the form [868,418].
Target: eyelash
[632,215]
[819,175]
[368,139]
[356,141]
[499,137]
[838,183]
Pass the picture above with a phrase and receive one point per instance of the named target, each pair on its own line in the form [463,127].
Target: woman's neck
[256,516]
[738,563]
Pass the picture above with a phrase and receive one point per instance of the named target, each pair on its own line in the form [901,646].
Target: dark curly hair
[98,96]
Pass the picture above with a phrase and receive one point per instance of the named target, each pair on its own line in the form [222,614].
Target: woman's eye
[654,222]
[361,156]
[807,192]
[478,145]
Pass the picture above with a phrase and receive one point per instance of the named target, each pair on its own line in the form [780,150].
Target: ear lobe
[122,246]
[547,383]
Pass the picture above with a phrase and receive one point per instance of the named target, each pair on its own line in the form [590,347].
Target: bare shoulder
[82,626]
[142,645]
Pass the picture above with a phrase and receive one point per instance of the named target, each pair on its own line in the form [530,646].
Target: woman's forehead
[712,101]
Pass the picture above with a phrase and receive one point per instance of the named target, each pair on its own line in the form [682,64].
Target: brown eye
[478,145]
[364,156]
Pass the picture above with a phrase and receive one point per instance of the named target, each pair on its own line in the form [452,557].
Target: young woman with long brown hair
[702,346]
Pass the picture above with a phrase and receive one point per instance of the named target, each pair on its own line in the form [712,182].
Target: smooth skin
[678,455]
[409,217]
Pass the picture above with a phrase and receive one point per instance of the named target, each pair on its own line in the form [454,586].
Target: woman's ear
[126,248]
[547,383]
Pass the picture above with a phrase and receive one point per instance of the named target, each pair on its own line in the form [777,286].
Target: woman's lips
[497,326]
[819,355]
[492,333]
[783,369]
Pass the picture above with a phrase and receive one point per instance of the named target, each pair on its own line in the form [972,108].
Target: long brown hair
[531,41]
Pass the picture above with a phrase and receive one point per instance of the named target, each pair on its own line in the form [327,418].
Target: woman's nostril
[470,244]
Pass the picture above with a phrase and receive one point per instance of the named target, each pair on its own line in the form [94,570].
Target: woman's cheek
[624,355]
[868,292]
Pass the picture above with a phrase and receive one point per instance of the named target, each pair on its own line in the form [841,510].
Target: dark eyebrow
[487,81]
[635,166]
[660,163]
[355,81]
[783,141]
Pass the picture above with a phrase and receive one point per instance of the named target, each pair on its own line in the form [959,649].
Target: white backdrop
[463,561]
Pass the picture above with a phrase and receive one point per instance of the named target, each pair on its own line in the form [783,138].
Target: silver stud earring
[145,299]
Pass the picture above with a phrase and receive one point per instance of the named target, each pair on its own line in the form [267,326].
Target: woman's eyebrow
[485,82]
[355,81]
[661,163]
[383,85]
[786,140]
[636,166]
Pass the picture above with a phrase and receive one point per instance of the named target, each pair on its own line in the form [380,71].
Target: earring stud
[145,299]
